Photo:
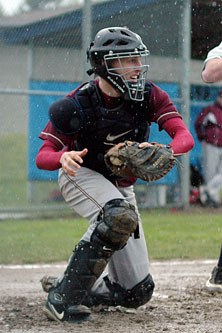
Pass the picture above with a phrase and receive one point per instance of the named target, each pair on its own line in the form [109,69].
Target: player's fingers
[71,168]
[76,159]
[73,158]
[69,165]
[144,144]
[70,160]
[79,154]
[83,152]
[70,172]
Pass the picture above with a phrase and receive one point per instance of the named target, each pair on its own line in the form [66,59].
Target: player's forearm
[212,71]
[48,160]
[182,141]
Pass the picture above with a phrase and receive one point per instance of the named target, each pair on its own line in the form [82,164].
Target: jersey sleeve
[54,145]
[216,52]
[182,139]
[161,107]
[59,140]
[48,157]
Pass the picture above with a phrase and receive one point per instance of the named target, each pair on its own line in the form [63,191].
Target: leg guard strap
[131,298]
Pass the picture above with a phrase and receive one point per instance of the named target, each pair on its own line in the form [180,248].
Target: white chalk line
[153,263]
[165,263]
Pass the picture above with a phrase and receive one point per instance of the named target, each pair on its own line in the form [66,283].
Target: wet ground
[180,303]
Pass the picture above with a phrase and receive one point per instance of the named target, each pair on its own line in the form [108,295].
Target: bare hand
[71,161]
[145,144]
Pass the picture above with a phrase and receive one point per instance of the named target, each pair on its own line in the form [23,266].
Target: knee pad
[116,223]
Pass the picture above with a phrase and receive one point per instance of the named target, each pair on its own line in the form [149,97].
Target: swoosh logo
[106,248]
[114,137]
[58,315]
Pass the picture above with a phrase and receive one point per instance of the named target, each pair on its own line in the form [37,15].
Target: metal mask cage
[135,89]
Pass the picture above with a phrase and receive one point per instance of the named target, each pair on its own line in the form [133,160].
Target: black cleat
[56,309]
[214,283]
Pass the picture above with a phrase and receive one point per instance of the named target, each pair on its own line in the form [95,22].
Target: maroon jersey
[208,125]
[112,120]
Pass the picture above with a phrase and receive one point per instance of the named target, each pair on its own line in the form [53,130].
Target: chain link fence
[43,57]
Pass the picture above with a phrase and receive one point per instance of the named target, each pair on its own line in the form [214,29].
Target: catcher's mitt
[148,163]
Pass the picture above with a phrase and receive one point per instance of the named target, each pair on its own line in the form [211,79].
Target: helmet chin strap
[117,83]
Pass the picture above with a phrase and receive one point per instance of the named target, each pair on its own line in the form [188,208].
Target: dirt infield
[180,303]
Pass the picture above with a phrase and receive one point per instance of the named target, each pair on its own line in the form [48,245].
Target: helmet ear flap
[90,71]
[88,51]
[87,54]
[97,62]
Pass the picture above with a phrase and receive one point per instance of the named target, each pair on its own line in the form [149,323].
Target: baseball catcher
[149,163]
[110,264]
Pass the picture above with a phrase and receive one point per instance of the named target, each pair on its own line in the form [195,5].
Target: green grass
[13,175]
[183,235]
[13,169]
[169,236]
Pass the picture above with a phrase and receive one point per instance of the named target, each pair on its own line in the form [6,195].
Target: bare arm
[212,71]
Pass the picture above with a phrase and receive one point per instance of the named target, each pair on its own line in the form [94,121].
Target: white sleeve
[216,52]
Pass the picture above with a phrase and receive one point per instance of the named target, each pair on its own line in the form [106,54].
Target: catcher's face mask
[127,72]
[115,51]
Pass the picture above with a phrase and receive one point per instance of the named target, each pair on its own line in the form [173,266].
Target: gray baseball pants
[86,194]
[212,167]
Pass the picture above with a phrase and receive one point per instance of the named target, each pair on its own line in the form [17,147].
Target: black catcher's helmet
[118,43]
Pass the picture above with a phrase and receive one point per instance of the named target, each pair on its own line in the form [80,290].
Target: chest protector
[104,128]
